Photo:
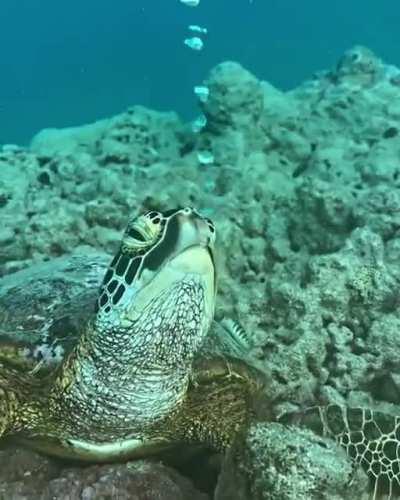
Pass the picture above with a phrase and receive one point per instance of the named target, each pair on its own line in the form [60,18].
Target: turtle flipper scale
[218,403]
[19,410]
[8,400]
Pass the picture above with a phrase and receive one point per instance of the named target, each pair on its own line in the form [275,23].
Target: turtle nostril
[210,225]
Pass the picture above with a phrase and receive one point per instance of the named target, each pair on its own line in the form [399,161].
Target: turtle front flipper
[9,399]
[218,403]
[5,412]
[23,398]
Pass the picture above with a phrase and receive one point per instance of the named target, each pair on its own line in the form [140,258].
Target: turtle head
[157,249]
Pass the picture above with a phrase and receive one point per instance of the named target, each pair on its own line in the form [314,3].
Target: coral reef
[275,461]
[303,188]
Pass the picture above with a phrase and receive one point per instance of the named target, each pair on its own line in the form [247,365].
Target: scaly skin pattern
[115,389]
[8,408]
[219,404]
[16,406]
[114,385]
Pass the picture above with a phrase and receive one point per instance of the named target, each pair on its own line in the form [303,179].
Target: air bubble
[194,43]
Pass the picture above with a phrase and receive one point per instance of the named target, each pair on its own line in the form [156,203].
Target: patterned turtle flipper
[370,438]
[9,399]
[218,403]
[23,398]
[5,412]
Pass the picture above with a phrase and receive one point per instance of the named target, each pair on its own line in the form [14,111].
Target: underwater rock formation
[278,462]
[233,111]
[235,98]
[304,191]
[29,476]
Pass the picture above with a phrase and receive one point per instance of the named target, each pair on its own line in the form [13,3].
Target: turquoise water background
[69,63]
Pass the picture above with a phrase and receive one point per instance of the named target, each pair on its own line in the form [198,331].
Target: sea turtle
[141,373]
[135,375]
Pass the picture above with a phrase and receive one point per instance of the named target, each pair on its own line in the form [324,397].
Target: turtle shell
[44,308]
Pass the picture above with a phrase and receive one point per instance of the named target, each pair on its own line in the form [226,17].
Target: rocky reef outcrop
[26,475]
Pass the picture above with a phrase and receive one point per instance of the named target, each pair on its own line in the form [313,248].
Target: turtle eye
[210,224]
[142,233]
[187,211]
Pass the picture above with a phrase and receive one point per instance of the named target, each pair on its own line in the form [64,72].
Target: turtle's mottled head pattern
[149,245]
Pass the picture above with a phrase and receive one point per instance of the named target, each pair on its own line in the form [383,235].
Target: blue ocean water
[69,63]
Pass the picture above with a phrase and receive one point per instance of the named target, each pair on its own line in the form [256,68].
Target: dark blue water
[69,63]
